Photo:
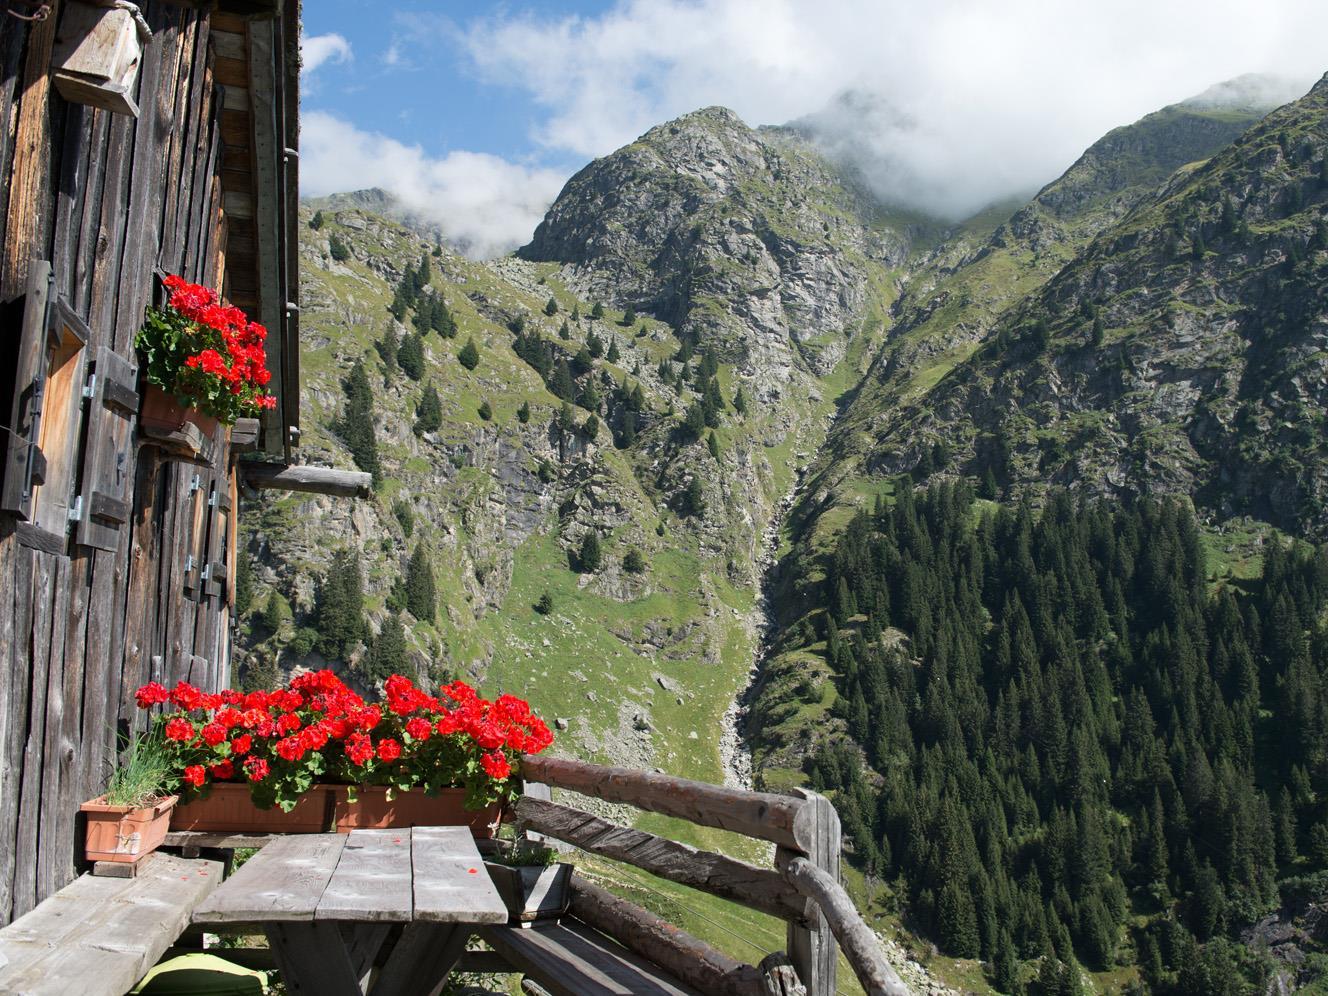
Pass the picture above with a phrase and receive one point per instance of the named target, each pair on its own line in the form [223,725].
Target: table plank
[282,882]
[422,960]
[313,959]
[451,885]
[372,879]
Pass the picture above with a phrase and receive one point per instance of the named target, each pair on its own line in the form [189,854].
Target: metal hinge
[196,484]
[212,498]
[90,388]
[76,509]
[188,562]
[206,573]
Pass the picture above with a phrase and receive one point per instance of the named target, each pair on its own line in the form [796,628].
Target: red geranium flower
[223,770]
[195,775]
[496,765]
[179,729]
[242,744]
[151,694]
[388,749]
[213,733]
[418,727]
[256,768]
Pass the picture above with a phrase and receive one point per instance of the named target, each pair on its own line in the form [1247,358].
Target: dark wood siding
[111,201]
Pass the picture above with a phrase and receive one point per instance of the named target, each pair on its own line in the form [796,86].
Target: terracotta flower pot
[163,411]
[373,810]
[228,806]
[532,892]
[125,833]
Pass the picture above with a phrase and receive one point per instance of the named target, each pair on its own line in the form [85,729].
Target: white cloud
[973,100]
[485,204]
[318,50]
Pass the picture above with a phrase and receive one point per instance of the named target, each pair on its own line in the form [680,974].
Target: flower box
[229,806]
[372,809]
[533,892]
[180,431]
[125,834]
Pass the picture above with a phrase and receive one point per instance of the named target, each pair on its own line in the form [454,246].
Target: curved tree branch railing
[803,890]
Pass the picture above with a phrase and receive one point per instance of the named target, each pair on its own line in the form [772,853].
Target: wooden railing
[802,889]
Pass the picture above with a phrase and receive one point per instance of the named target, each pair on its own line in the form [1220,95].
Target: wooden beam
[811,946]
[687,958]
[315,480]
[861,947]
[781,819]
[758,888]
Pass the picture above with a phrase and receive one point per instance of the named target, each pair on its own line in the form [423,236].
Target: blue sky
[476,113]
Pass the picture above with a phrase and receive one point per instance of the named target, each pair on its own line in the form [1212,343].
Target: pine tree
[594,346]
[694,424]
[340,252]
[544,604]
[356,427]
[562,384]
[339,606]
[739,401]
[713,445]
[429,412]
[589,557]
[316,222]
[274,612]
[958,923]
[469,357]
[576,312]
[387,654]
[628,434]
[244,581]
[692,502]
[523,413]
[551,306]
[410,355]
[442,321]
[485,411]
[633,562]
[1099,331]
[629,317]
[421,594]
[590,427]
[388,347]
[613,356]
[564,332]
[597,310]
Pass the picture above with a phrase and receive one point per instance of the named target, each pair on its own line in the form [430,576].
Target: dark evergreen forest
[1079,747]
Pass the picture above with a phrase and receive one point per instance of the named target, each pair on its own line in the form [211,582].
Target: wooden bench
[101,935]
[571,959]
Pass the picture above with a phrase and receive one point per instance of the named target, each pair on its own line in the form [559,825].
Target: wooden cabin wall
[108,200]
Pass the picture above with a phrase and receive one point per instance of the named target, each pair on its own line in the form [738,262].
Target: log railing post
[811,948]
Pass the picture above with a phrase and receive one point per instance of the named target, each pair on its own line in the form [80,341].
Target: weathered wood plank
[811,946]
[759,888]
[313,959]
[282,882]
[372,880]
[450,883]
[16,569]
[100,935]
[861,946]
[778,818]
[25,228]
[421,960]
[661,943]
[39,594]
[572,960]
[314,480]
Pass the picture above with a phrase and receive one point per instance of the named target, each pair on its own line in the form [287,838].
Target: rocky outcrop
[743,240]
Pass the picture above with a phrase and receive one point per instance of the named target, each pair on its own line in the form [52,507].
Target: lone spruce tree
[421,594]
[357,422]
[410,355]
[589,558]
[429,412]
[469,357]
[339,606]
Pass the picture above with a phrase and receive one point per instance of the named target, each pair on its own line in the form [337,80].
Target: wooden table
[328,903]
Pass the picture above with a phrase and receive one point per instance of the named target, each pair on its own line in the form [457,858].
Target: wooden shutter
[45,416]
[108,462]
